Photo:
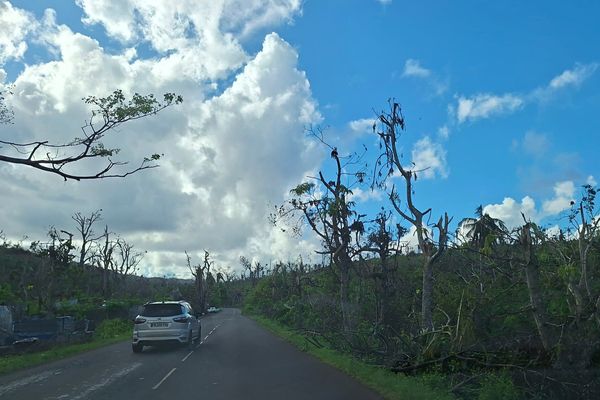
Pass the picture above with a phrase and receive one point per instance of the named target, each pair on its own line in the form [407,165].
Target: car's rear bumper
[151,337]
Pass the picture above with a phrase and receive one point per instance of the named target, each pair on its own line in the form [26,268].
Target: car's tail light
[181,319]
[139,320]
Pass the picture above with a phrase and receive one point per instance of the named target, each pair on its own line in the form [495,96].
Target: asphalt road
[237,359]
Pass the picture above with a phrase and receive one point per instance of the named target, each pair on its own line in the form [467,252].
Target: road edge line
[164,379]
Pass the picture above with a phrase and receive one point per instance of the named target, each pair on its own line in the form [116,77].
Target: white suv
[163,322]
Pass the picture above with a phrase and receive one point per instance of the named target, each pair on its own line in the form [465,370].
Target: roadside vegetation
[479,311]
[110,331]
[383,381]
[474,310]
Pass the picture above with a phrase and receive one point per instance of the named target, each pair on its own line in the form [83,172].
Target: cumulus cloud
[429,159]
[591,181]
[509,211]
[227,158]
[15,25]
[553,231]
[410,241]
[563,195]
[178,24]
[201,39]
[486,105]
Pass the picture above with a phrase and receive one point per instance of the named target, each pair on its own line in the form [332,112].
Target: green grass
[106,334]
[390,385]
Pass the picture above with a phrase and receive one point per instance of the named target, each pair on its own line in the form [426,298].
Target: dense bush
[110,328]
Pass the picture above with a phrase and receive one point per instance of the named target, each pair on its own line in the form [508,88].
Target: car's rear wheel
[137,347]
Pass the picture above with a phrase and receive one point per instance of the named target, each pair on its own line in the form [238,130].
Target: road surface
[237,359]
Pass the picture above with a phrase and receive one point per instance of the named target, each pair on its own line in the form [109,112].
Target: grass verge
[103,337]
[391,386]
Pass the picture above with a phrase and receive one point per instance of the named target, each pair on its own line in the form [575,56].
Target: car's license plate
[159,324]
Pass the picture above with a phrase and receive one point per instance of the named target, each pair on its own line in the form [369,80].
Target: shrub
[110,328]
[498,387]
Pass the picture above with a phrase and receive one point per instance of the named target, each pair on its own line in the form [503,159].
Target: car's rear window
[161,310]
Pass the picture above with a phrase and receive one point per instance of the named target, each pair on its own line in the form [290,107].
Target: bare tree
[104,260]
[127,258]
[108,114]
[388,163]
[84,225]
[254,271]
[200,272]
[53,274]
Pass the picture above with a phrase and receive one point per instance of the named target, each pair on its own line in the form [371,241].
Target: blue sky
[501,101]
[354,54]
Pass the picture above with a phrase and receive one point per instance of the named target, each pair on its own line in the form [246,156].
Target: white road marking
[164,379]
[27,381]
[106,382]
[206,337]
[186,357]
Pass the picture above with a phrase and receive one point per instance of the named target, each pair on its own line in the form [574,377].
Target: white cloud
[486,105]
[535,144]
[413,68]
[173,25]
[444,132]
[199,39]
[363,125]
[591,181]
[15,25]
[429,159]
[509,211]
[359,195]
[118,17]
[384,2]
[227,158]
[573,77]
[563,195]
[410,241]
[553,231]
